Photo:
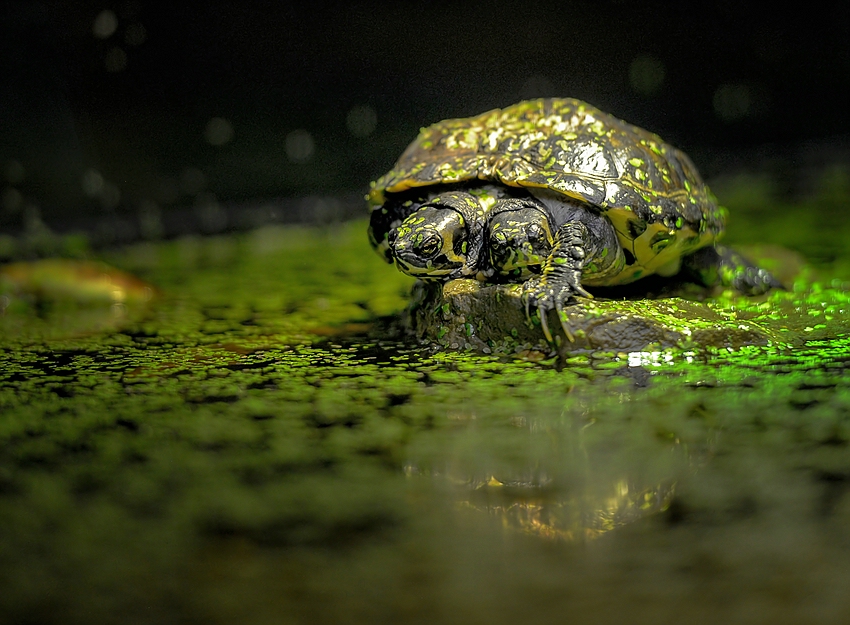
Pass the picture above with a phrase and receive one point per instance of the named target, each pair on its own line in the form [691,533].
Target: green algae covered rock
[469,314]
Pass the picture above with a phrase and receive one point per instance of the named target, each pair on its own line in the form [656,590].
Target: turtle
[556,194]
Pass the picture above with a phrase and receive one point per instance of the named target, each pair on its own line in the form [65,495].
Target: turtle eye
[429,246]
[459,245]
[498,239]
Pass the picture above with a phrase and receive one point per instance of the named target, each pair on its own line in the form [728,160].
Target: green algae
[470,315]
[262,441]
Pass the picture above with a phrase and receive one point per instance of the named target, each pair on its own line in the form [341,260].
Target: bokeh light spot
[212,216]
[168,190]
[92,183]
[732,102]
[116,60]
[646,74]
[11,200]
[135,35]
[32,218]
[362,120]
[14,172]
[105,24]
[218,132]
[300,146]
[192,181]
[150,220]
[537,86]
[320,210]
[110,197]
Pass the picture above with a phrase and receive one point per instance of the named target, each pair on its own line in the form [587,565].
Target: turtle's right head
[519,238]
[431,244]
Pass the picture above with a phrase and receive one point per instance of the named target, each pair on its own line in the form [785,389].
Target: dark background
[154,117]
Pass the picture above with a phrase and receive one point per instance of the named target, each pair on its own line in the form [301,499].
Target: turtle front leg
[560,278]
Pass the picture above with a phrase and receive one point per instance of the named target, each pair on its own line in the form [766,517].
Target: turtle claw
[579,290]
[559,280]
[542,312]
[544,299]
[562,317]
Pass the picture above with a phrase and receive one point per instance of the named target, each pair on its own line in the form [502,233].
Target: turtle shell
[650,191]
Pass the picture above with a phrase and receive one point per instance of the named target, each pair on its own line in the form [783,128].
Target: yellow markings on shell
[465,138]
[529,145]
[598,128]
[593,159]
[493,137]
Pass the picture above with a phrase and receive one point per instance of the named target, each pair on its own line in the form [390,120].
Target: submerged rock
[467,314]
[61,298]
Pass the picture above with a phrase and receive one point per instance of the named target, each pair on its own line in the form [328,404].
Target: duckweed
[260,441]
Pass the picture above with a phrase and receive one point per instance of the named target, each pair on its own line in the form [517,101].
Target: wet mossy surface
[260,442]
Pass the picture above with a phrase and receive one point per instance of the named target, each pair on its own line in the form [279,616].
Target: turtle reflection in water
[564,478]
[558,195]
[523,508]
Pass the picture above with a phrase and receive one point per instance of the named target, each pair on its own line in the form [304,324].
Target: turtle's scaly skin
[649,190]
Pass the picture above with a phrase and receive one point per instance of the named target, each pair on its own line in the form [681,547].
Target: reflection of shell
[555,476]
[570,518]
[534,505]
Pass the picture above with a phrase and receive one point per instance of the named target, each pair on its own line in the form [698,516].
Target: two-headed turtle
[555,193]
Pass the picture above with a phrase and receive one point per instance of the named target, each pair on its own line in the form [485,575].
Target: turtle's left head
[431,244]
